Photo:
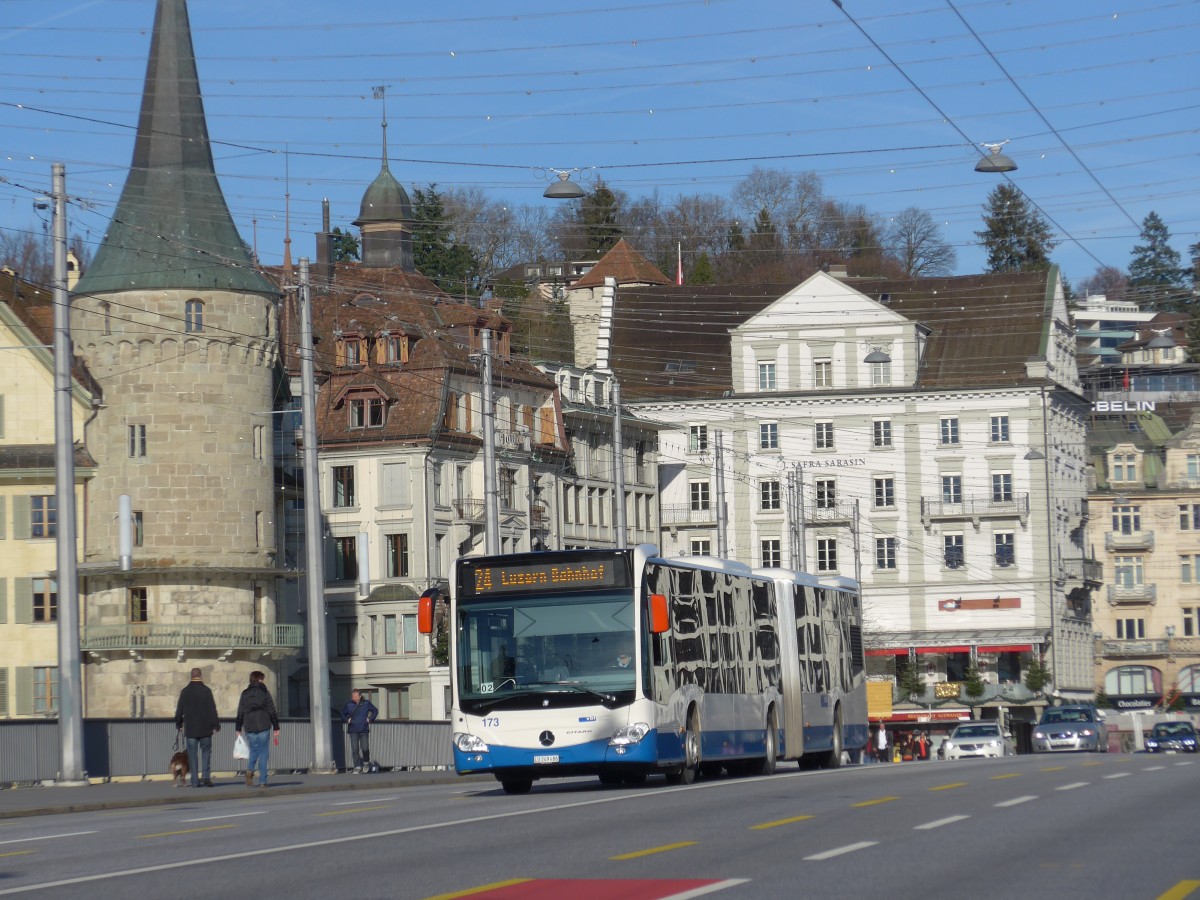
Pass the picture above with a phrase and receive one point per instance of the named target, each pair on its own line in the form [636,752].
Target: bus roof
[834,581]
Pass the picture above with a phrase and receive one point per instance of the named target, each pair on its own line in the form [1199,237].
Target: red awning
[957,648]
[937,715]
[888,651]
[1007,648]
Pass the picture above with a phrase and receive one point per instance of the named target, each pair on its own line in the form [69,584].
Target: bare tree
[483,224]
[915,241]
[1107,280]
[27,252]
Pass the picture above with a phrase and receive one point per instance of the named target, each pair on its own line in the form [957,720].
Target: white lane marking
[1118,775]
[708,889]
[949,820]
[1153,768]
[849,848]
[1186,763]
[228,816]
[46,837]
[1073,785]
[1017,800]
[360,801]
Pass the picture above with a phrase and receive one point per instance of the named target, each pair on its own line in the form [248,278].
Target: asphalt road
[1032,826]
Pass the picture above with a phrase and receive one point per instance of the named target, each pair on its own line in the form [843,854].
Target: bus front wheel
[691,753]
[516,785]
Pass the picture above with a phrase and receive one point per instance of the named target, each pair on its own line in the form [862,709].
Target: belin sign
[1123,406]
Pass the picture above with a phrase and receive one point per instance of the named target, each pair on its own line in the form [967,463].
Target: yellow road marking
[186,831]
[482,889]
[946,787]
[1181,890]
[16,853]
[357,809]
[663,849]
[1054,769]
[876,802]
[1092,764]
[779,822]
[1008,775]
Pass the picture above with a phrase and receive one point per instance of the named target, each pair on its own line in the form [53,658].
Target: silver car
[977,740]
[1067,728]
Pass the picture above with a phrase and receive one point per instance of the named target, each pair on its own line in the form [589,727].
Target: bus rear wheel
[771,747]
[516,785]
[833,759]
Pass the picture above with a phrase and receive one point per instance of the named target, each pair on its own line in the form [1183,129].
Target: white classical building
[924,436]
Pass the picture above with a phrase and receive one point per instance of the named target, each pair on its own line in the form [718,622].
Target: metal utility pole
[318,649]
[619,467]
[802,521]
[722,514]
[491,491]
[857,551]
[70,670]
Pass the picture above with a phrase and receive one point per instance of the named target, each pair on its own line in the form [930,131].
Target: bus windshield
[578,648]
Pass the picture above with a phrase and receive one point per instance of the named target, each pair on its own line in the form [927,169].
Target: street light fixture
[564,188]
[995,162]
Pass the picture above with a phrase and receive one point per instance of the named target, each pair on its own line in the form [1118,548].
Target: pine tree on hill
[1016,236]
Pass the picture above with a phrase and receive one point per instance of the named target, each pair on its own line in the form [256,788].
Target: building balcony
[1115,541]
[1130,649]
[1089,571]
[468,510]
[539,517]
[192,636]
[1132,593]
[945,691]
[673,516]
[975,509]
[840,512]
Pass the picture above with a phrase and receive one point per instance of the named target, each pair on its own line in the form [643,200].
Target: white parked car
[977,740]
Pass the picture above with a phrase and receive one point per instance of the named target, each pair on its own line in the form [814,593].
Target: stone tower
[180,331]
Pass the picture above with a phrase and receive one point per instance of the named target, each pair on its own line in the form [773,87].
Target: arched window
[106,317]
[1127,680]
[1189,680]
[193,316]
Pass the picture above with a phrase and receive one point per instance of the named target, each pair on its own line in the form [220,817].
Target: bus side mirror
[660,618]
[425,615]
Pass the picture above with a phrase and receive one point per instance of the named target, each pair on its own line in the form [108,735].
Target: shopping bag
[241,749]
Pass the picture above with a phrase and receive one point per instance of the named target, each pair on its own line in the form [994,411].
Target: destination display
[484,579]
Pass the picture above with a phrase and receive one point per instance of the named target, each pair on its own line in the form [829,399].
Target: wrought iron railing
[191,636]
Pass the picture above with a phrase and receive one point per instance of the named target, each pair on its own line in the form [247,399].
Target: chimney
[324,265]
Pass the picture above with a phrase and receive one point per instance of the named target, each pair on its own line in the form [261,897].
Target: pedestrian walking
[256,714]
[358,715]
[196,717]
[881,743]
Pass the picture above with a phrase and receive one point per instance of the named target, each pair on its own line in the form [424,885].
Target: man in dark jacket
[256,714]
[196,717]
[358,715]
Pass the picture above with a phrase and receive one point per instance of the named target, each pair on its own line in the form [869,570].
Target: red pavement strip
[557,888]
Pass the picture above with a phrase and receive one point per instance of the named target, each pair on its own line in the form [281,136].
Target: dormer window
[349,349]
[366,410]
[393,348]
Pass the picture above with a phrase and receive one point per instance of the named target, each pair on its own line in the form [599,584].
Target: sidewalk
[44,800]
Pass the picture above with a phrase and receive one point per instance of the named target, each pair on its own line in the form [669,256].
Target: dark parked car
[1169,737]
[1071,728]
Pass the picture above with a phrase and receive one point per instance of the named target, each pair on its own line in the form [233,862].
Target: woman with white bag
[256,718]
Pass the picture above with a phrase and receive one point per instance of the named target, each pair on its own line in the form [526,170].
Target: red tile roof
[626,265]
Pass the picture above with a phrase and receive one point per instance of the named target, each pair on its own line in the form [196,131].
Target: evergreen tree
[702,271]
[436,255]
[1016,236]
[1155,261]
[1037,675]
[910,683]
[345,246]
[974,684]
[764,239]
[599,215]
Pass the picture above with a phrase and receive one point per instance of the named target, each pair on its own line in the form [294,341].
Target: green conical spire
[172,228]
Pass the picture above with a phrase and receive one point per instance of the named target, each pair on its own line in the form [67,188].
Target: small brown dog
[180,768]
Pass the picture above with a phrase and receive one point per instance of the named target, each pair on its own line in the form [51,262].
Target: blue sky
[1101,102]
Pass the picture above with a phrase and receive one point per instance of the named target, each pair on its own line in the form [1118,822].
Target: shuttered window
[23,597]
[3,601]
[3,693]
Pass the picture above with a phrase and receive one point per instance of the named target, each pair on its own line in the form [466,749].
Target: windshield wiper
[603,698]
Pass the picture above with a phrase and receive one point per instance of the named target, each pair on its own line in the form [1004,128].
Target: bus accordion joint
[660,619]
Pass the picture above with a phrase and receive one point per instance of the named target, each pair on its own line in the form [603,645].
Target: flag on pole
[1125,381]
[679,268]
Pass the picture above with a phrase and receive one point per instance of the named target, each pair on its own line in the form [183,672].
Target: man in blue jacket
[358,715]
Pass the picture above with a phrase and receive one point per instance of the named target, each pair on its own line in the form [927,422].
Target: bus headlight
[629,734]
[469,743]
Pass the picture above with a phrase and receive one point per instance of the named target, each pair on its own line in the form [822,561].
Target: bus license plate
[541,760]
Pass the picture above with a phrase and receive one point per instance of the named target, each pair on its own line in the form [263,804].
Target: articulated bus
[622,664]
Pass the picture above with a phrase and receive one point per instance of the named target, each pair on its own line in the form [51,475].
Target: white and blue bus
[622,664]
